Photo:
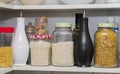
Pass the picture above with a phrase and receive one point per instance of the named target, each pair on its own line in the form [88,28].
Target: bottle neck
[21,23]
[78,20]
[77,26]
[84,25]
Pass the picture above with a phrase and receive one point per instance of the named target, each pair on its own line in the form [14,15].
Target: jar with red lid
[40,46]
[6,35]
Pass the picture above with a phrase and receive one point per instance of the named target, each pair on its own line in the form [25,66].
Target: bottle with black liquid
[85,48]
[78,21]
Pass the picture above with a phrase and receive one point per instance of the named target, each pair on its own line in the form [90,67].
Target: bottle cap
[116,28]
[63,25]
[7,29]
[106,25]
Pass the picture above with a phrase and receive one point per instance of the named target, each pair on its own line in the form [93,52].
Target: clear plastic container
[106,46]
[6,35]
[62,45]
[40,50]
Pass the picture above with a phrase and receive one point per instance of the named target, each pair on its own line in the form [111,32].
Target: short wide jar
[62,45]
[106,46]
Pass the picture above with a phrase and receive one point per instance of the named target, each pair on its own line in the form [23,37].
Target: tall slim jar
[20,44]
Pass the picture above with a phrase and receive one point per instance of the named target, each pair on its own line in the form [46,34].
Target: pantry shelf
[6,6]
[66,7]
[61,69]
[59,7]
[5,70]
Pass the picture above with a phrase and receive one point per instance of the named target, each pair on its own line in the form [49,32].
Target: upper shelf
[66,7]
[59,7]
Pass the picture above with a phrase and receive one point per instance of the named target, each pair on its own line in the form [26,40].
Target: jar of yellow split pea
[6,59]
[106,46]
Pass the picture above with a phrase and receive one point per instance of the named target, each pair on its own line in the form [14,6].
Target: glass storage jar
[106,46]
[6,35]
[62,45]
[40,46]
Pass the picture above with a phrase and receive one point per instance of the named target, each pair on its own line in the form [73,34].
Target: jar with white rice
[62,45]
[40,50]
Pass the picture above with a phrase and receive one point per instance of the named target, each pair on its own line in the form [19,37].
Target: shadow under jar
[106,46]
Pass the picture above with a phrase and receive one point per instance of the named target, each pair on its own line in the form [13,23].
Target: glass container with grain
[6,57]
[40,46]
[106,46]
[62,45]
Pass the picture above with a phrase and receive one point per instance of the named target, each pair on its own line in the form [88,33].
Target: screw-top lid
[63,25]
[6,29]
[116,29]
[106,25]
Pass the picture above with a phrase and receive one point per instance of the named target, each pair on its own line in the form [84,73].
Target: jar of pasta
[6,59]
[106,46]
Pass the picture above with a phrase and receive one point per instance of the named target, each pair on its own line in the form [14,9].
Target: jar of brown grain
[106,46]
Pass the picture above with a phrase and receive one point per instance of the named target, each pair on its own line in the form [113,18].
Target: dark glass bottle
[78,21]
[85,48]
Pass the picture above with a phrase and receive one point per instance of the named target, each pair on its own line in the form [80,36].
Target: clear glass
[62,47]
[62,34]
[6,50]
[106,48]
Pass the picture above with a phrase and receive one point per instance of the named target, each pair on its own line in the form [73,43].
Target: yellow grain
[106,48]
[6,56]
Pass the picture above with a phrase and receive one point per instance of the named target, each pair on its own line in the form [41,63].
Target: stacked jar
[6,57]
[62,45]
[40,44]
[106,46]
[40,50]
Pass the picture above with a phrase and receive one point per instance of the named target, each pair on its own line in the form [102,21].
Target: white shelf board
[69,69]
[61,69]
[59,7]
[5,70]
[6,6]
[67,7]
